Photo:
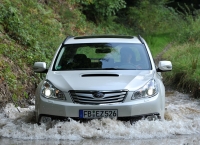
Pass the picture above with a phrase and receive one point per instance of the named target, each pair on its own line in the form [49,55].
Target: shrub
[186,67]
[189,31]
[149,17]
[99,11]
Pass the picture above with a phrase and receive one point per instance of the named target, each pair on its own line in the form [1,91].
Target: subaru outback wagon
[93,77]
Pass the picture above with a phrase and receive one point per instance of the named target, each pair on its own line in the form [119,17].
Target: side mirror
[164,66]
[40,67]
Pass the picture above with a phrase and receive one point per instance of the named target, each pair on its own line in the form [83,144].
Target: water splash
[182,117]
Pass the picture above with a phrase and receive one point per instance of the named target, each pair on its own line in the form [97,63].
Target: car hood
[99,80]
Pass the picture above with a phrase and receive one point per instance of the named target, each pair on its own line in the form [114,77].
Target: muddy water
[181,126]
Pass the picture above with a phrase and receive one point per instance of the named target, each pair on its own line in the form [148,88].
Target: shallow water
[181,126]
[178,140]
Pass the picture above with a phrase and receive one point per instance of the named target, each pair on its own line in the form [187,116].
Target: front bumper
[127,109]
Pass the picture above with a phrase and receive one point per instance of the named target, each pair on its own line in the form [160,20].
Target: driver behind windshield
[126,55]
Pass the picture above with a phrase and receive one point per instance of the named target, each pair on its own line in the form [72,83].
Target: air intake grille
[98,97]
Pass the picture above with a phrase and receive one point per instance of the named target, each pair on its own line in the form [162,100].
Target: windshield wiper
[111,68]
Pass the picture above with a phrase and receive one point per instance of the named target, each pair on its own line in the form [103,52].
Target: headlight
[49,91]
[149,90]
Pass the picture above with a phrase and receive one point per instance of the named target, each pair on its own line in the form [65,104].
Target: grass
[186,67]
[157,42]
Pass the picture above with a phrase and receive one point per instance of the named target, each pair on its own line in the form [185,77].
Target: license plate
[98,113]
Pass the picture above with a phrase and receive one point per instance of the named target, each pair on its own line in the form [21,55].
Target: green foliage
[189,31]
[26,95]
[30,25]
[74,21]
[149,17]
[157,42]
[99,11]
[28,33]
[186,67]
[15,100]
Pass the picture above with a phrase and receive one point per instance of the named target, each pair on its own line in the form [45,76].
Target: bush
[99,11]
[189,31]
[30,25]
[186,67]
[149,17]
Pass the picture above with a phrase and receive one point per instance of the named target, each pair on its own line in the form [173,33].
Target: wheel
[43,119]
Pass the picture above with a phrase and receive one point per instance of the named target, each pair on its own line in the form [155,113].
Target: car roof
[102,39]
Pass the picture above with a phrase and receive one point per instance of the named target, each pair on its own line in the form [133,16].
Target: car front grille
[98,97]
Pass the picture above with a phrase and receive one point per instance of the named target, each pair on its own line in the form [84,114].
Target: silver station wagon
[98,76]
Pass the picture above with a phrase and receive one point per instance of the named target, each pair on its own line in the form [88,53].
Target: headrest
[79,57]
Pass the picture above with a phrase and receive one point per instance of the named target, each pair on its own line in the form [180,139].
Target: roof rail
[141,39]
[104,36]
[66,39]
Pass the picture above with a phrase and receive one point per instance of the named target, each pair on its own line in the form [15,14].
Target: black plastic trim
[132,119]
[100,75]
[159,70]
[93,91]
[104,36]
[141,39]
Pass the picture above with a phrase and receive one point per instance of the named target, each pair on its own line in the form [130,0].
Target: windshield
[99,56]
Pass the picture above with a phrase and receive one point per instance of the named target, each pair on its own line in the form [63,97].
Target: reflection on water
[181,126]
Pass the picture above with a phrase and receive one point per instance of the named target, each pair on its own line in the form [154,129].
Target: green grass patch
[186,67]
[157,42]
